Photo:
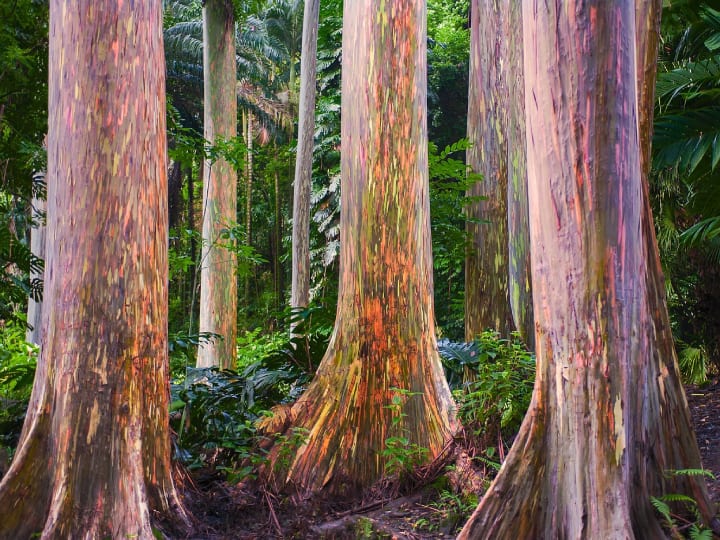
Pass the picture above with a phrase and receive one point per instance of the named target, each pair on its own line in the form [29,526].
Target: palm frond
[702,231]
[688,80]
[683,139]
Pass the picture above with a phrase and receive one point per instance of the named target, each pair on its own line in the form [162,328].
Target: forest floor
[705,409]
[223,511]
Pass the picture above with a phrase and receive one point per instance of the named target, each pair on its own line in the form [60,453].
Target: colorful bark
[487,303]
[598,438]
[384,334]
[300,287]
[669,449]
[218,279]
[519,279]
[94,456]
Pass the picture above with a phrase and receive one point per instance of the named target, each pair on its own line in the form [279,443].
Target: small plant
[288,446]
[17,373]
[402,455]
[448,512]
[673,522]
[493,400]
[364,528]
[455,509]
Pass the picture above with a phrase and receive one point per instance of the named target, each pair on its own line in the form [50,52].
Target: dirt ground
[704,405]
[224,512]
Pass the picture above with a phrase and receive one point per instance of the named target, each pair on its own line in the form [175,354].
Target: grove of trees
[266,255]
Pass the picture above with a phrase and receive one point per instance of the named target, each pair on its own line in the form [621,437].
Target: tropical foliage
[686,175]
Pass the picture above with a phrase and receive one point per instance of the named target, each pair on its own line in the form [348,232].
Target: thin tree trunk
[278,243]
[174,194]
[300,291]
[248,188]
[384,335]
[192,268]
[218,278]
[94,456]
[487,303]
[596,443]
[38,235]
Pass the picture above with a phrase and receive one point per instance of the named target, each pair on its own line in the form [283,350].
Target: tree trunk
[673,409]
[277,268]
[218,279]
[384,336]
[596,442]
[248,189]
[94,456]
[37,246]
[192,268]
[300,288]
[519,282]
[174,194]
[487,304]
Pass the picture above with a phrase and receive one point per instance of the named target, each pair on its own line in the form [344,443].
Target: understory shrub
[213,411]
[17,372]
[492,380]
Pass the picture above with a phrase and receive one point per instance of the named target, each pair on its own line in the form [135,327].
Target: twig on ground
[273,516]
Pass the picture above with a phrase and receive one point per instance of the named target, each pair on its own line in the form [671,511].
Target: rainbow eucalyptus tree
[94,455]
[608,418]
[383,344]
[218,279]
[497,270]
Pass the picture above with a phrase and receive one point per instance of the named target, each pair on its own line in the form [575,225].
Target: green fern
[690,472]
[698,533]
[693,362]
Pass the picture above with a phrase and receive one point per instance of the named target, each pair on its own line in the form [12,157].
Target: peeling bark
[384,334]
[218,270]
[94,456]
[608,416]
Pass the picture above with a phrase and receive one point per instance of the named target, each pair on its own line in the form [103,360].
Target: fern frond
[690,472]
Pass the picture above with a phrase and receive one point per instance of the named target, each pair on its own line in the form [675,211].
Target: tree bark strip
[94,457]
[384,335]
[218,271]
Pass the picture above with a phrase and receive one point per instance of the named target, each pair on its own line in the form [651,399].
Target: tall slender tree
[608,418]
[94,455]
[497,276]
[300,286]
[38,236]
[487,303]
[218,279]
[384,337]
[520,275]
